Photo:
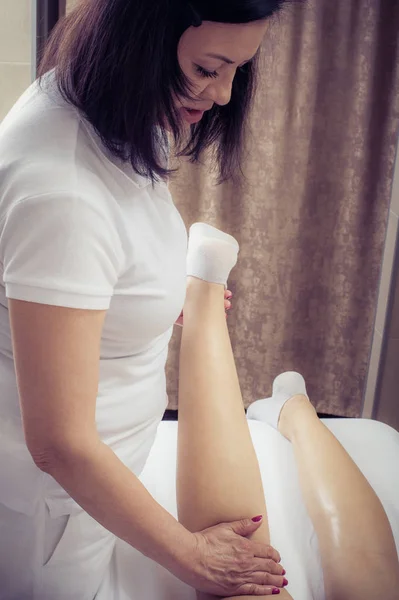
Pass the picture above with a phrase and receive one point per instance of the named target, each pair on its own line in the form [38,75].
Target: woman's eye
[204,73]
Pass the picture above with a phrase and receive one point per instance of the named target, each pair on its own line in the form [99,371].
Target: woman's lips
[192,116]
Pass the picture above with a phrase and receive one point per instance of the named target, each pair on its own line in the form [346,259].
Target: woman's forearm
[105,488]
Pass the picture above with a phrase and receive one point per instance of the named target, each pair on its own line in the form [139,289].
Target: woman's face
[209,56]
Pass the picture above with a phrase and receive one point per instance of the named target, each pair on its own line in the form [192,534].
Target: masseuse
[93,257]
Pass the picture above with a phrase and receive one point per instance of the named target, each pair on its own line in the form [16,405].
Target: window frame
[45,15]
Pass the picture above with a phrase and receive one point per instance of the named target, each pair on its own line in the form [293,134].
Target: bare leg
[357,547]
[218,473]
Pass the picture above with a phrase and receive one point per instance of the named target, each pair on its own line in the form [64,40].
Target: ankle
[198,287]
[203,295]
[296,412]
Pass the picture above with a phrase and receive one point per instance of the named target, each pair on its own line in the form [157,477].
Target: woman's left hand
[227,305]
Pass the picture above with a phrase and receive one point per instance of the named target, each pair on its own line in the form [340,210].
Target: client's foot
[288,400]
[211,254]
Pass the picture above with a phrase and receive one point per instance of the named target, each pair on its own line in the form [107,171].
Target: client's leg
[357,548]
[218,473]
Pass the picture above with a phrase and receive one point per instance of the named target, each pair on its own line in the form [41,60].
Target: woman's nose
[220,91]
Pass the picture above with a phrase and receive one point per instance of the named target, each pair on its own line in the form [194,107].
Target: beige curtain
[311,218]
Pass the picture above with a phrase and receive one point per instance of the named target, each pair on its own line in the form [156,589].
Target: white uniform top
[79,230]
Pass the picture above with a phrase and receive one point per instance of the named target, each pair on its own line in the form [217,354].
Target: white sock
[211,253]
[285,386]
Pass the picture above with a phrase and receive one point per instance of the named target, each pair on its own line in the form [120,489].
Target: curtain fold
[311,215]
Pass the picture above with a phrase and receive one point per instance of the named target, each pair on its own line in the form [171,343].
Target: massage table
[372,445]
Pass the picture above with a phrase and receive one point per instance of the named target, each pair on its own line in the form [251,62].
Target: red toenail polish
[276,591]
[257,519]
[284,572]
[285,582]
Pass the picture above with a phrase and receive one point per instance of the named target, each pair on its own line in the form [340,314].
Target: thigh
[45,558]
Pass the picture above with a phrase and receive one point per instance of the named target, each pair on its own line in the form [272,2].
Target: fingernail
[285,582]
[257,519]
[276,591]
[284,572]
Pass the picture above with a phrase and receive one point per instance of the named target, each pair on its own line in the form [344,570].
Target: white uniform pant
[45,558]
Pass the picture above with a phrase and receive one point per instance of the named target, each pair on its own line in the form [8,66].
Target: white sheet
[373,446]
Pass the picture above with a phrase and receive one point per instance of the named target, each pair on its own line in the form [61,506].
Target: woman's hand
[227,305]
[227,563]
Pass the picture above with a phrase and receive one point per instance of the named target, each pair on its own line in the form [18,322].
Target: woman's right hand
[226,563]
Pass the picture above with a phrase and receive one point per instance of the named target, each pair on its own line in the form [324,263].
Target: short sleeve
[60,250]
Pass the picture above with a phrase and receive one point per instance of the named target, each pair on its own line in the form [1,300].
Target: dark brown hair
[116,61]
